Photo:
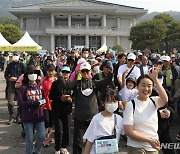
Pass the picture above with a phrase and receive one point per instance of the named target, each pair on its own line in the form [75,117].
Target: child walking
[105,124]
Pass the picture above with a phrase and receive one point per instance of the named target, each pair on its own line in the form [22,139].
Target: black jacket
[58,106]
[86,106]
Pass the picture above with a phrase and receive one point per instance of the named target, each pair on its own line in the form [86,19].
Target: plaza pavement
[11,141]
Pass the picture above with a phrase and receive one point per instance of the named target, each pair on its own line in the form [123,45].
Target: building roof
[85,6]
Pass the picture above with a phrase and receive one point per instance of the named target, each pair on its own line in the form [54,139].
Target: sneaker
[47,140]
[11,120]
[57,152]
[64,151]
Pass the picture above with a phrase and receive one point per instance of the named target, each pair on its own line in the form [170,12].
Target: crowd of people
[114,95]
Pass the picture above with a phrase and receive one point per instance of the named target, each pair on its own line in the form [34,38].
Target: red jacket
[47,83]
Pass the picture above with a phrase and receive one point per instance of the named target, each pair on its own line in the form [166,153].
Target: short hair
[142,77]
[85,49]
[121,55]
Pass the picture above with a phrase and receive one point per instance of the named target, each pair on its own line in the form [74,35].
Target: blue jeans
[40,127]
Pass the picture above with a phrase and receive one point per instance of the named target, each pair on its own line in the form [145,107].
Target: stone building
[71,23]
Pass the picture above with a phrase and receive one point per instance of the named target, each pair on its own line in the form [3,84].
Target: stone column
[87,20]
[103,40]
[69,42]
[52,42]
[118,23]
[87,41]
[21,23]
[104,21]
[118,40]
[134,22]
[69,20]
[37,19]
[37,39]
[52,20]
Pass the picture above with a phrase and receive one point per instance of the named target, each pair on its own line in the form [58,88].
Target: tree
[172,28]
[148,34]
[11,33]
[118,48]
[153,33]
[1,28]
[7,20]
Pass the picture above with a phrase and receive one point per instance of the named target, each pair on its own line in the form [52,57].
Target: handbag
[107,144]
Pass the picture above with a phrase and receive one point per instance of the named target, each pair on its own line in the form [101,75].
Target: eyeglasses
[85,70]
[131,60]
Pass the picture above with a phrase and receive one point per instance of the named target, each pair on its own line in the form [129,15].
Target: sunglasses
[84,70]
[131,60]
[65,72]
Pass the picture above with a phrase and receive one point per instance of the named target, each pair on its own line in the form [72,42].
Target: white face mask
[15,58]
[96,69]
[32,77]
[111,107]
[87,92]
[86,55]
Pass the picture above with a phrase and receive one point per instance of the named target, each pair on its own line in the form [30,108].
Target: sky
[150,5]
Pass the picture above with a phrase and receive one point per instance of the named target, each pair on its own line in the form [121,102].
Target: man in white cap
[170,73]
[86,105]
[133,71]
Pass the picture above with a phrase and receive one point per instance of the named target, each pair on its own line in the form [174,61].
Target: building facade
[71,23]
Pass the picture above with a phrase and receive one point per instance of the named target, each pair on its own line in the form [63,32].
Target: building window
[61,41]
[77,41]
[78,22]
[94,22]
[61,22]
[95,42]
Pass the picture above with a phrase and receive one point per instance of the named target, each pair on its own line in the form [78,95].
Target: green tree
[151,34]
[118,48]
[1,28]
[148,34]
[172,28]
[12,33]
[8,20]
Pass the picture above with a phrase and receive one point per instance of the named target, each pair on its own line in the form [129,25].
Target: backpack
[133,102]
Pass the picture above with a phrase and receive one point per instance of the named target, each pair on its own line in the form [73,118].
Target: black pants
[165,137]
[48,118]
[80,128]
[62,130]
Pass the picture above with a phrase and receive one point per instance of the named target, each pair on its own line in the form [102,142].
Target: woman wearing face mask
[103,123]
[140,118]
[30,99]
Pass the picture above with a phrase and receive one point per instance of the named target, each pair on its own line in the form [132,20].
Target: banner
[25,48]
[4,48]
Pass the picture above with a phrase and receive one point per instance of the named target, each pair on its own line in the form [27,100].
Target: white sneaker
[64,151]
[57,152]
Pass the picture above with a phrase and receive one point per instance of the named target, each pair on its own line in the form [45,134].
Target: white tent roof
[3,41]
[26,41]
[103,48]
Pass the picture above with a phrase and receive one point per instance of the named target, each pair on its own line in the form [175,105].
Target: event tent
[26,43]
[103,48]
[4,44]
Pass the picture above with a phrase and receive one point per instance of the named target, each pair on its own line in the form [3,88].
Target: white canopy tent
[4,44]
[103,48]
[26,43]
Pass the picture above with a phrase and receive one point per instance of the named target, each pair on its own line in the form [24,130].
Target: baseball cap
[50,67]
[66,68]
[131,56]
[85,65]
[30,68]
[166,58]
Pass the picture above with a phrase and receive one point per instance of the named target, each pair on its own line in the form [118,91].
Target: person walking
[140,118]
[30,98]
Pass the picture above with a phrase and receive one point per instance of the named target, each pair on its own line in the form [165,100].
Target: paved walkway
[11,141]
